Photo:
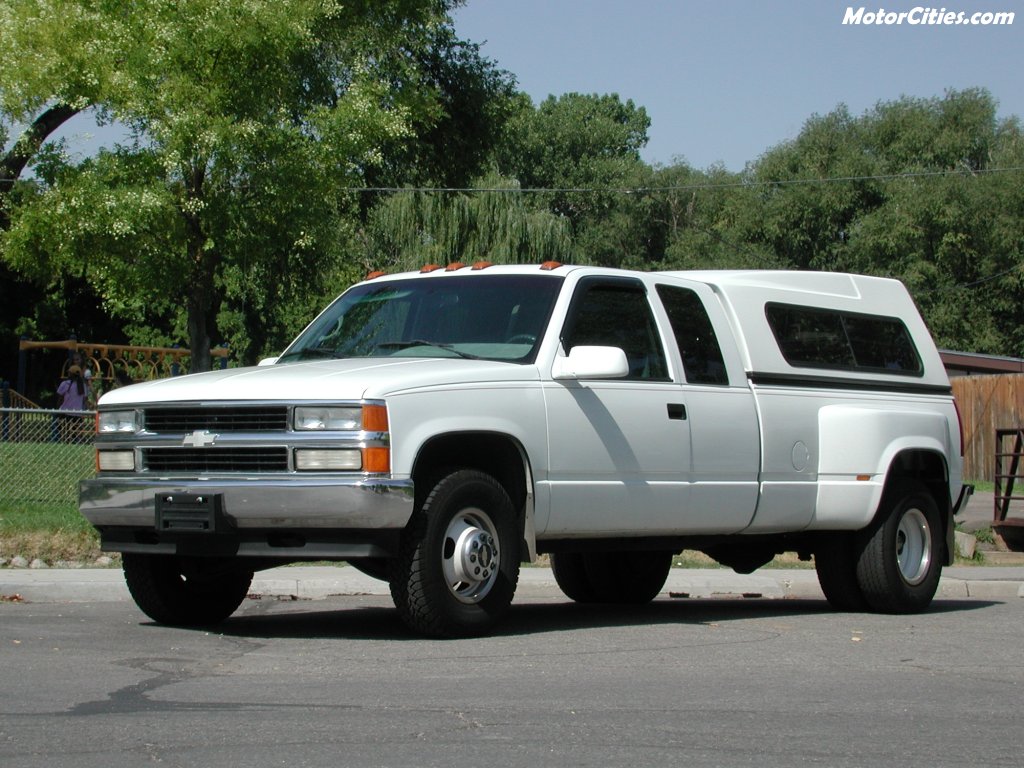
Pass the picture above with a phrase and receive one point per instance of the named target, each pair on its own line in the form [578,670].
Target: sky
[725,80]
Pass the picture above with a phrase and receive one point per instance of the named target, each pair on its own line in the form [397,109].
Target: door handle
[677,411]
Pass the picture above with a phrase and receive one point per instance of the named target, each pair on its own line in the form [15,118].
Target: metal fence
[43,455]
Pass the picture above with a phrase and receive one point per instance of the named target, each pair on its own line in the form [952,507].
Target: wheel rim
[913,546]
[471,556]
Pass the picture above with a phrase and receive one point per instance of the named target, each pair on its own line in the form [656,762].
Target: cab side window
[695,336]
[617,314]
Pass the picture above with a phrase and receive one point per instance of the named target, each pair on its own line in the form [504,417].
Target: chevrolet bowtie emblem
[200,439]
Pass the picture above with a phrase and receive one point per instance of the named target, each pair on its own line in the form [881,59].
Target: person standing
[73,390]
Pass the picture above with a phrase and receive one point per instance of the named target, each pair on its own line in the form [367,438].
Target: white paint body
[777,449]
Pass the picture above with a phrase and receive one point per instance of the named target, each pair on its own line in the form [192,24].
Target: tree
[495,224]
[61,57]
[466,104]
[707,219]
[805,218]
[914,189]
[586,148]
[249,119]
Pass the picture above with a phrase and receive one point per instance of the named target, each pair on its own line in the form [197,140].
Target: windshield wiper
[425,343]
[310,352]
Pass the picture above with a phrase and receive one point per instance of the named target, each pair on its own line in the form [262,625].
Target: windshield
[489,317]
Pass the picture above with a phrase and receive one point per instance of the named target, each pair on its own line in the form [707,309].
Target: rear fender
[861,448]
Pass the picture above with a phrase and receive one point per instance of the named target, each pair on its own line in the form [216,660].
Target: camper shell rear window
[812,337]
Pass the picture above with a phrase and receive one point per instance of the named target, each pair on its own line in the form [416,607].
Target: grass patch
[47,531]
[43,472]
[29,517]
[691,558]
[39,478]
[982,486]
[985,535]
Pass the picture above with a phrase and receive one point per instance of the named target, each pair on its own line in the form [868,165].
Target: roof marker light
[455,265]
[374,275]
[429,268]
[482,265]
[547,266]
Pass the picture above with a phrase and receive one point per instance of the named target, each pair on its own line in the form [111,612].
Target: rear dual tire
[186,592]
[611,577]
[894,565]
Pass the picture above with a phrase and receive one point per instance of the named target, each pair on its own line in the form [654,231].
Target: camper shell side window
[812,337]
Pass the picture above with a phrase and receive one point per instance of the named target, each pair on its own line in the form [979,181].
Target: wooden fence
[987,403]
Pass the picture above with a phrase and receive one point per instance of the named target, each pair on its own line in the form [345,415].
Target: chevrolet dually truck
[436,429]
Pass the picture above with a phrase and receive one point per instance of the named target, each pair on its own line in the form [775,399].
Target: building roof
[972,363]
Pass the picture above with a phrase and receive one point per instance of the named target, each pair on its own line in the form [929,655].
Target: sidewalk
[318,582]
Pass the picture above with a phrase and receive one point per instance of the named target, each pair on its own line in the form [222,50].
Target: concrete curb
[319,582]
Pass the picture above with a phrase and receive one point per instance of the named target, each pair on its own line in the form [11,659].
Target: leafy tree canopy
[249,118]
[918,189]
[411,229]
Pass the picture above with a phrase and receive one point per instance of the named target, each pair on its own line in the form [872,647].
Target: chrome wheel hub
[471,556]
[913,546]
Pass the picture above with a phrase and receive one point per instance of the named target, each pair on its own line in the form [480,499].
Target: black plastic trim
[838,382]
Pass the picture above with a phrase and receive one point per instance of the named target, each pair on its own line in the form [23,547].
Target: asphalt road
[339,682]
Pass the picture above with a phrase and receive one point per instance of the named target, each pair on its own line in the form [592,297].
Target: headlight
[324,459]
[324,418]
[110,422]
[115,461]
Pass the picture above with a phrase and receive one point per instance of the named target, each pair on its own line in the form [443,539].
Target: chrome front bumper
[274,503]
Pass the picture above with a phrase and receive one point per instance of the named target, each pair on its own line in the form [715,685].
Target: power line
[990,278]
[741,184]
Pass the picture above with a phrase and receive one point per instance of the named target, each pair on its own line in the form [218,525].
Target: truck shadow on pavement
[555,617]
[367,617]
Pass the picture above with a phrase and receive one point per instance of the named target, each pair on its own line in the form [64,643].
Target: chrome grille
[262,459]
[232,419]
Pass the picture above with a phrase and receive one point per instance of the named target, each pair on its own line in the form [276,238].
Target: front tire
[458,564]
[186,592]
[901,560]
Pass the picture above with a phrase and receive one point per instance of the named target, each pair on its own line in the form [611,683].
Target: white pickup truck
[436,429]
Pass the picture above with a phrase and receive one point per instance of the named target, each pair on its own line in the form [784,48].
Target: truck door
[619,459]
[725,437]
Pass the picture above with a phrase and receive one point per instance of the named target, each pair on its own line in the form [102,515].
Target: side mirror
[267,361]
[592,363]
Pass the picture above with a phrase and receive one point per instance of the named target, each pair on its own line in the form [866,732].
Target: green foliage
[586,148]
[39,515]
[985,535]
[250,120]
[576,141]
[411,229]
[61,51]
[901,191]
[460,121]
[707,220]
